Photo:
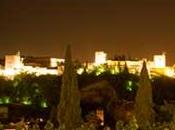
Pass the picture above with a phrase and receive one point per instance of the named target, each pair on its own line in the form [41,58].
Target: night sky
[44,27]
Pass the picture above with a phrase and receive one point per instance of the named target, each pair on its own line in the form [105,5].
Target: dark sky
[43,27]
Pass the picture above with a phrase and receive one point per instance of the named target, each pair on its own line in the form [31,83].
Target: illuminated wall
[160,61]
[13,62]
[55,61]
[100,57]
[14,65]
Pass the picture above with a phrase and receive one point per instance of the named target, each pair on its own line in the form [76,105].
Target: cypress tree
[69,112]
[143,100]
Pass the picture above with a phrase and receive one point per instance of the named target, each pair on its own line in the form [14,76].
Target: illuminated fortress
[155,67]
[14,64]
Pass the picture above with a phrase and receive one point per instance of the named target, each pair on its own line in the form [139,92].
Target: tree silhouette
[143,100]
[69,112]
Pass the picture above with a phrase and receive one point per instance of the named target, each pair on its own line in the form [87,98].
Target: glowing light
[41,120]
[160,61]
[100,58]
[100,70]
[100,115]
[26,101]
[9,72]
[169,72]
[55,61]
[80,71]
[6,100]
[129,86]
[13,61]
[113,71]
[44,104]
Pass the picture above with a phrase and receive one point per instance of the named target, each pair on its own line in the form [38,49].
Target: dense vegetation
[38,96]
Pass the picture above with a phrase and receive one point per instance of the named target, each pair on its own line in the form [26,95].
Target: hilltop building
[15,64]
[13,61]
[100,57]
[155,67]
[160,61]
